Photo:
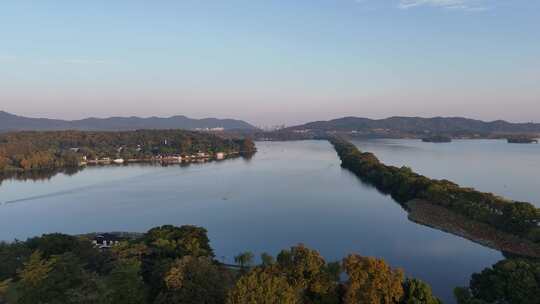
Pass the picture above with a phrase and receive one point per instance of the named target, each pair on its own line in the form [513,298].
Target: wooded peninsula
[34,151]
[520,219]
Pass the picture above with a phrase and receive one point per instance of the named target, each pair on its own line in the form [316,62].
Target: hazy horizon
[272,62]
[255,123]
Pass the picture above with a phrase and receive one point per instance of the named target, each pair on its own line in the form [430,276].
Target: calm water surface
[510,170]
[288,193]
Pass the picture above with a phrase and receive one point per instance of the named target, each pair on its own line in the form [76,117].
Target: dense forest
[518,218]
[176,265]
[25,151]
[171,264]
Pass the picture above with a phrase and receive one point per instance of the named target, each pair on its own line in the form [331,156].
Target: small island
[522,140]
[437,139]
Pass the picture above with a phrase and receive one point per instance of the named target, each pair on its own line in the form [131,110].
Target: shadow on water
[47,174]
[38,175]
[368,184]
[474,231]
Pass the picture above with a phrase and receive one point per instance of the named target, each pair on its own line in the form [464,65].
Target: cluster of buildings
[198,157]
[218,129]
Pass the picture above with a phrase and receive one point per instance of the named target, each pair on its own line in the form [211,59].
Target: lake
[509,170]
[288,193]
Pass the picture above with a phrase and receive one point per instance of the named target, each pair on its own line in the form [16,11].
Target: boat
[522,140]
[437,139]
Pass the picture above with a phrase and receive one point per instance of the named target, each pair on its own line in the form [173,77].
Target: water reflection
[38,175]
[47,174]
[288,193]
[509,170]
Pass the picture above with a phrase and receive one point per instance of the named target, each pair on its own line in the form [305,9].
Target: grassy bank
[431,215]
[520,219]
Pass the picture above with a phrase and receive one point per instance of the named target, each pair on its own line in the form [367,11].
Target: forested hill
[419,125]
[11,122]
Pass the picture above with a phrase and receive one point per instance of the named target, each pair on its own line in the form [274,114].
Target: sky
[271,62]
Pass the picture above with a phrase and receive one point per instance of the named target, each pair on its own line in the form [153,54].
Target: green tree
[334,271]
[82,248]
[50,280]
[130,251]
[371,281]
[12,257]
[193,280]
[520,217]
[267,259]
[262,286]
[92,290]
[176,242]
[54,244]
[125,284]
[244,259]
[509,281]
[417,292]
[164,245]
[464,296]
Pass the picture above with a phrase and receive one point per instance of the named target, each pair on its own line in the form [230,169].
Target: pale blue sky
[271,62]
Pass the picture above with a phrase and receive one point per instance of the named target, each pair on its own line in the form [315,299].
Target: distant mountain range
[11,122]
[419,125]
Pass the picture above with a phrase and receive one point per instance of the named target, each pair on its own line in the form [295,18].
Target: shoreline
[101,162]
[458,209]
[431,215]
[46,173]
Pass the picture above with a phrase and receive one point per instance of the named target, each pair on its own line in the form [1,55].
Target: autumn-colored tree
[12,257]
[4,287]
[247,145]
[304,268]
[263,286]
[193,280]
[371,281]
[35,270]
[4,163]
[306,271]
[159,268]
